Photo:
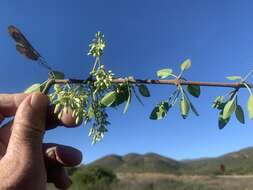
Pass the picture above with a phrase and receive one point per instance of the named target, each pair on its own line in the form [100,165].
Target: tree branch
[165,82]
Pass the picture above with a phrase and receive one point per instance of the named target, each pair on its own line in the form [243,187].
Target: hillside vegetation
[155,172]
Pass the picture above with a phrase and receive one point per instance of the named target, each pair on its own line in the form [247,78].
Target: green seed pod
[60,114]
[74,113]
[78,120]
[57,108]
[57,88]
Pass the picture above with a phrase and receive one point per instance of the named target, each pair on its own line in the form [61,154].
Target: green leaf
[166,106]
[184,107]
[119,99]
[221,106]
[57,108]
[194,90]
[186,65]
[229,108]
[217,102]
[164,73]
[128,100]
[239,114]
[160,111]
[143,89]
[90,113]
[222,122]
[108,99]
[56,75]
[57,87]
[250,106]
[234,77]
[137,97]
[121,95]
[194,109]
[33,88]
[155,115]
[192,106]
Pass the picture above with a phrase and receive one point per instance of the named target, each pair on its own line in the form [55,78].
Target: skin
[25,161]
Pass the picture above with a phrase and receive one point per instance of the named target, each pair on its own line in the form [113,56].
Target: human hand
[25,162]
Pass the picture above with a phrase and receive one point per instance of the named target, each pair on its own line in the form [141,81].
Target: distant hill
[149,162]
[239,162]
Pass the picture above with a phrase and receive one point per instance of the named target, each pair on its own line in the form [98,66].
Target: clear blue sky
[142,37]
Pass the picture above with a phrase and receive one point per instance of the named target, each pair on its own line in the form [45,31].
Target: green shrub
[93,177]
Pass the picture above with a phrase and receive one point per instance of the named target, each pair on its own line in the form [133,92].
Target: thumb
[29,125]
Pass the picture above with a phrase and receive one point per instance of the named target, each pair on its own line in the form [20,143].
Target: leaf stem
[248,88]
[181,73]
[95,64]
[48,85]
[247,76]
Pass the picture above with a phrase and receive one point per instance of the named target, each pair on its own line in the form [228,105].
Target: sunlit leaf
[194,90]
[108,99]
[57,87]
[166,106]
[78,120]
[137,96]
[192,106]
[155,115]
[164,73]
[34,88]
[128,100]
[90,113]
[186,65]
[234,77]
[143,89]
[160,111]
[229,109]
[217,102]
[57,108]
[121,96]
[250,106]
[184,107]
[239,114]
[222,122]
[194,109]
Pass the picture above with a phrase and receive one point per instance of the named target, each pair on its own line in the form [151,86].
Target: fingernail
[68,155]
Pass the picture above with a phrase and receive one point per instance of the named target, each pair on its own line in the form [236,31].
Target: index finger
[9,103]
